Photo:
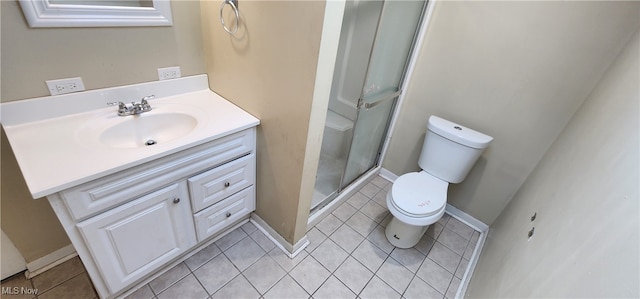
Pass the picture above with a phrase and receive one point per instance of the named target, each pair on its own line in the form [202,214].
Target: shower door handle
[378,101]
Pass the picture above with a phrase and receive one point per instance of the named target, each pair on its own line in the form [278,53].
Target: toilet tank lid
[458,133]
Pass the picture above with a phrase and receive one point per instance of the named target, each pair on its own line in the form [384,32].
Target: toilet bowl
[418,199]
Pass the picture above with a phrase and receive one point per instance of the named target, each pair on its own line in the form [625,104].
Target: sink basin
[161,125]
[147,129]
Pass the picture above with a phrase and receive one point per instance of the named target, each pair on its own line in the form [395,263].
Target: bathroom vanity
[130,206]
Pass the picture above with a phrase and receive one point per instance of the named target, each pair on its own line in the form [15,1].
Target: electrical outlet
[62,86]
[169,73]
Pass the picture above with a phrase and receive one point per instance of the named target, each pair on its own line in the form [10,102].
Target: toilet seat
[419,194]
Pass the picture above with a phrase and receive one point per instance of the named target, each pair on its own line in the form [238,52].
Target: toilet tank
[450,150]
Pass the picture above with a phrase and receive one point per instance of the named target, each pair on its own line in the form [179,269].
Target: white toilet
[418,199]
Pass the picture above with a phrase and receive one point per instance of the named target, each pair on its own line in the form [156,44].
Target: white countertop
[55,152]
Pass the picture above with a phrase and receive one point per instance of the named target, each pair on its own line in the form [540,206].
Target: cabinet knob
[228,214]
[227,184]
[176,200]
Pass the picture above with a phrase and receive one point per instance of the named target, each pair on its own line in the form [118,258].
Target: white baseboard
[464,283]
[390,176]
[466,218]
[291,250]
[50,260]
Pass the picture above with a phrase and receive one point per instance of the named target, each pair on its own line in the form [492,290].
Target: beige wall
[268,68]
[585,191]
[514,70]
[103,57]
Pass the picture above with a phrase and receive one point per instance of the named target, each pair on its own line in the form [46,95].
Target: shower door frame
[395,96]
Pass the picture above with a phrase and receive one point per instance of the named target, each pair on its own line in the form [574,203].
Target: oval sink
[147,130]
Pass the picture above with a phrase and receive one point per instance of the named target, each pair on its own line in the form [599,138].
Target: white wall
[585,192]
[516,70]
[12,260]
[103,57]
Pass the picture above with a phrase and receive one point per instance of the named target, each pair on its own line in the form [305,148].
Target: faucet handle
[122,107]
[149,97]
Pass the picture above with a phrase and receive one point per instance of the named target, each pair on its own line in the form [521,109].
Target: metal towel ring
[234,5]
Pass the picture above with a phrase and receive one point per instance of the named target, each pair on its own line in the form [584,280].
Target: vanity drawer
[100,195]
[211,220]
[214,185]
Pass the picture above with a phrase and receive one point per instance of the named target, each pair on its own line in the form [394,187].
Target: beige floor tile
[230,239]
[206,254]
[316,237]
[361,223]
[460,228]
[187,287]
[333,288]
[370,190]
[330,255]
[264,274]
[453,288]
[19,287]
[58,274]
[409,258]
[347,238]
[370,255]
[377,237]
[380,182]
[453,241]
[142,293]
[244,253]
[79,287]
[329,224]
[216,273]
[285,261]
[168,278]
[287,287]
[395,275]
[436,276]
[444,257]
[358,200]
[353,274]
[309,274]
[418,289]
[344,211]
[376,288]
[239,287]
[374,211]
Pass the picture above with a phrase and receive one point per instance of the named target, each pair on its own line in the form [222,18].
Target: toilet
[418,199]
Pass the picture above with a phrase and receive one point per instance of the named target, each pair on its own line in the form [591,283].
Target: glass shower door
[397,28]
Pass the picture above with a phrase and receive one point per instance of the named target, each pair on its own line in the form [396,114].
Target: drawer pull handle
[228,214]
[176,200]
[227,184]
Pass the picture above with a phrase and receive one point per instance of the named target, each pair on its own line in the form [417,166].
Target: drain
[150,142]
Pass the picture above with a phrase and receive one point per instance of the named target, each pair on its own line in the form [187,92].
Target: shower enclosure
[376,41]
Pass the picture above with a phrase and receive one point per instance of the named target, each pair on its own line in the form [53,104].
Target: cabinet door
[137,238]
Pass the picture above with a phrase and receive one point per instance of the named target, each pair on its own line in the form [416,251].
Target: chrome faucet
[134,108]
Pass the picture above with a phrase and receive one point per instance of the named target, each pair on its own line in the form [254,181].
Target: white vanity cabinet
[130,224]
[132,207]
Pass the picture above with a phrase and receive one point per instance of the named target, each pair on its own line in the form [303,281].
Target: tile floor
[348,257]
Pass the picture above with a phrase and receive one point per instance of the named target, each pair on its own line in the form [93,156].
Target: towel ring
[234,6]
